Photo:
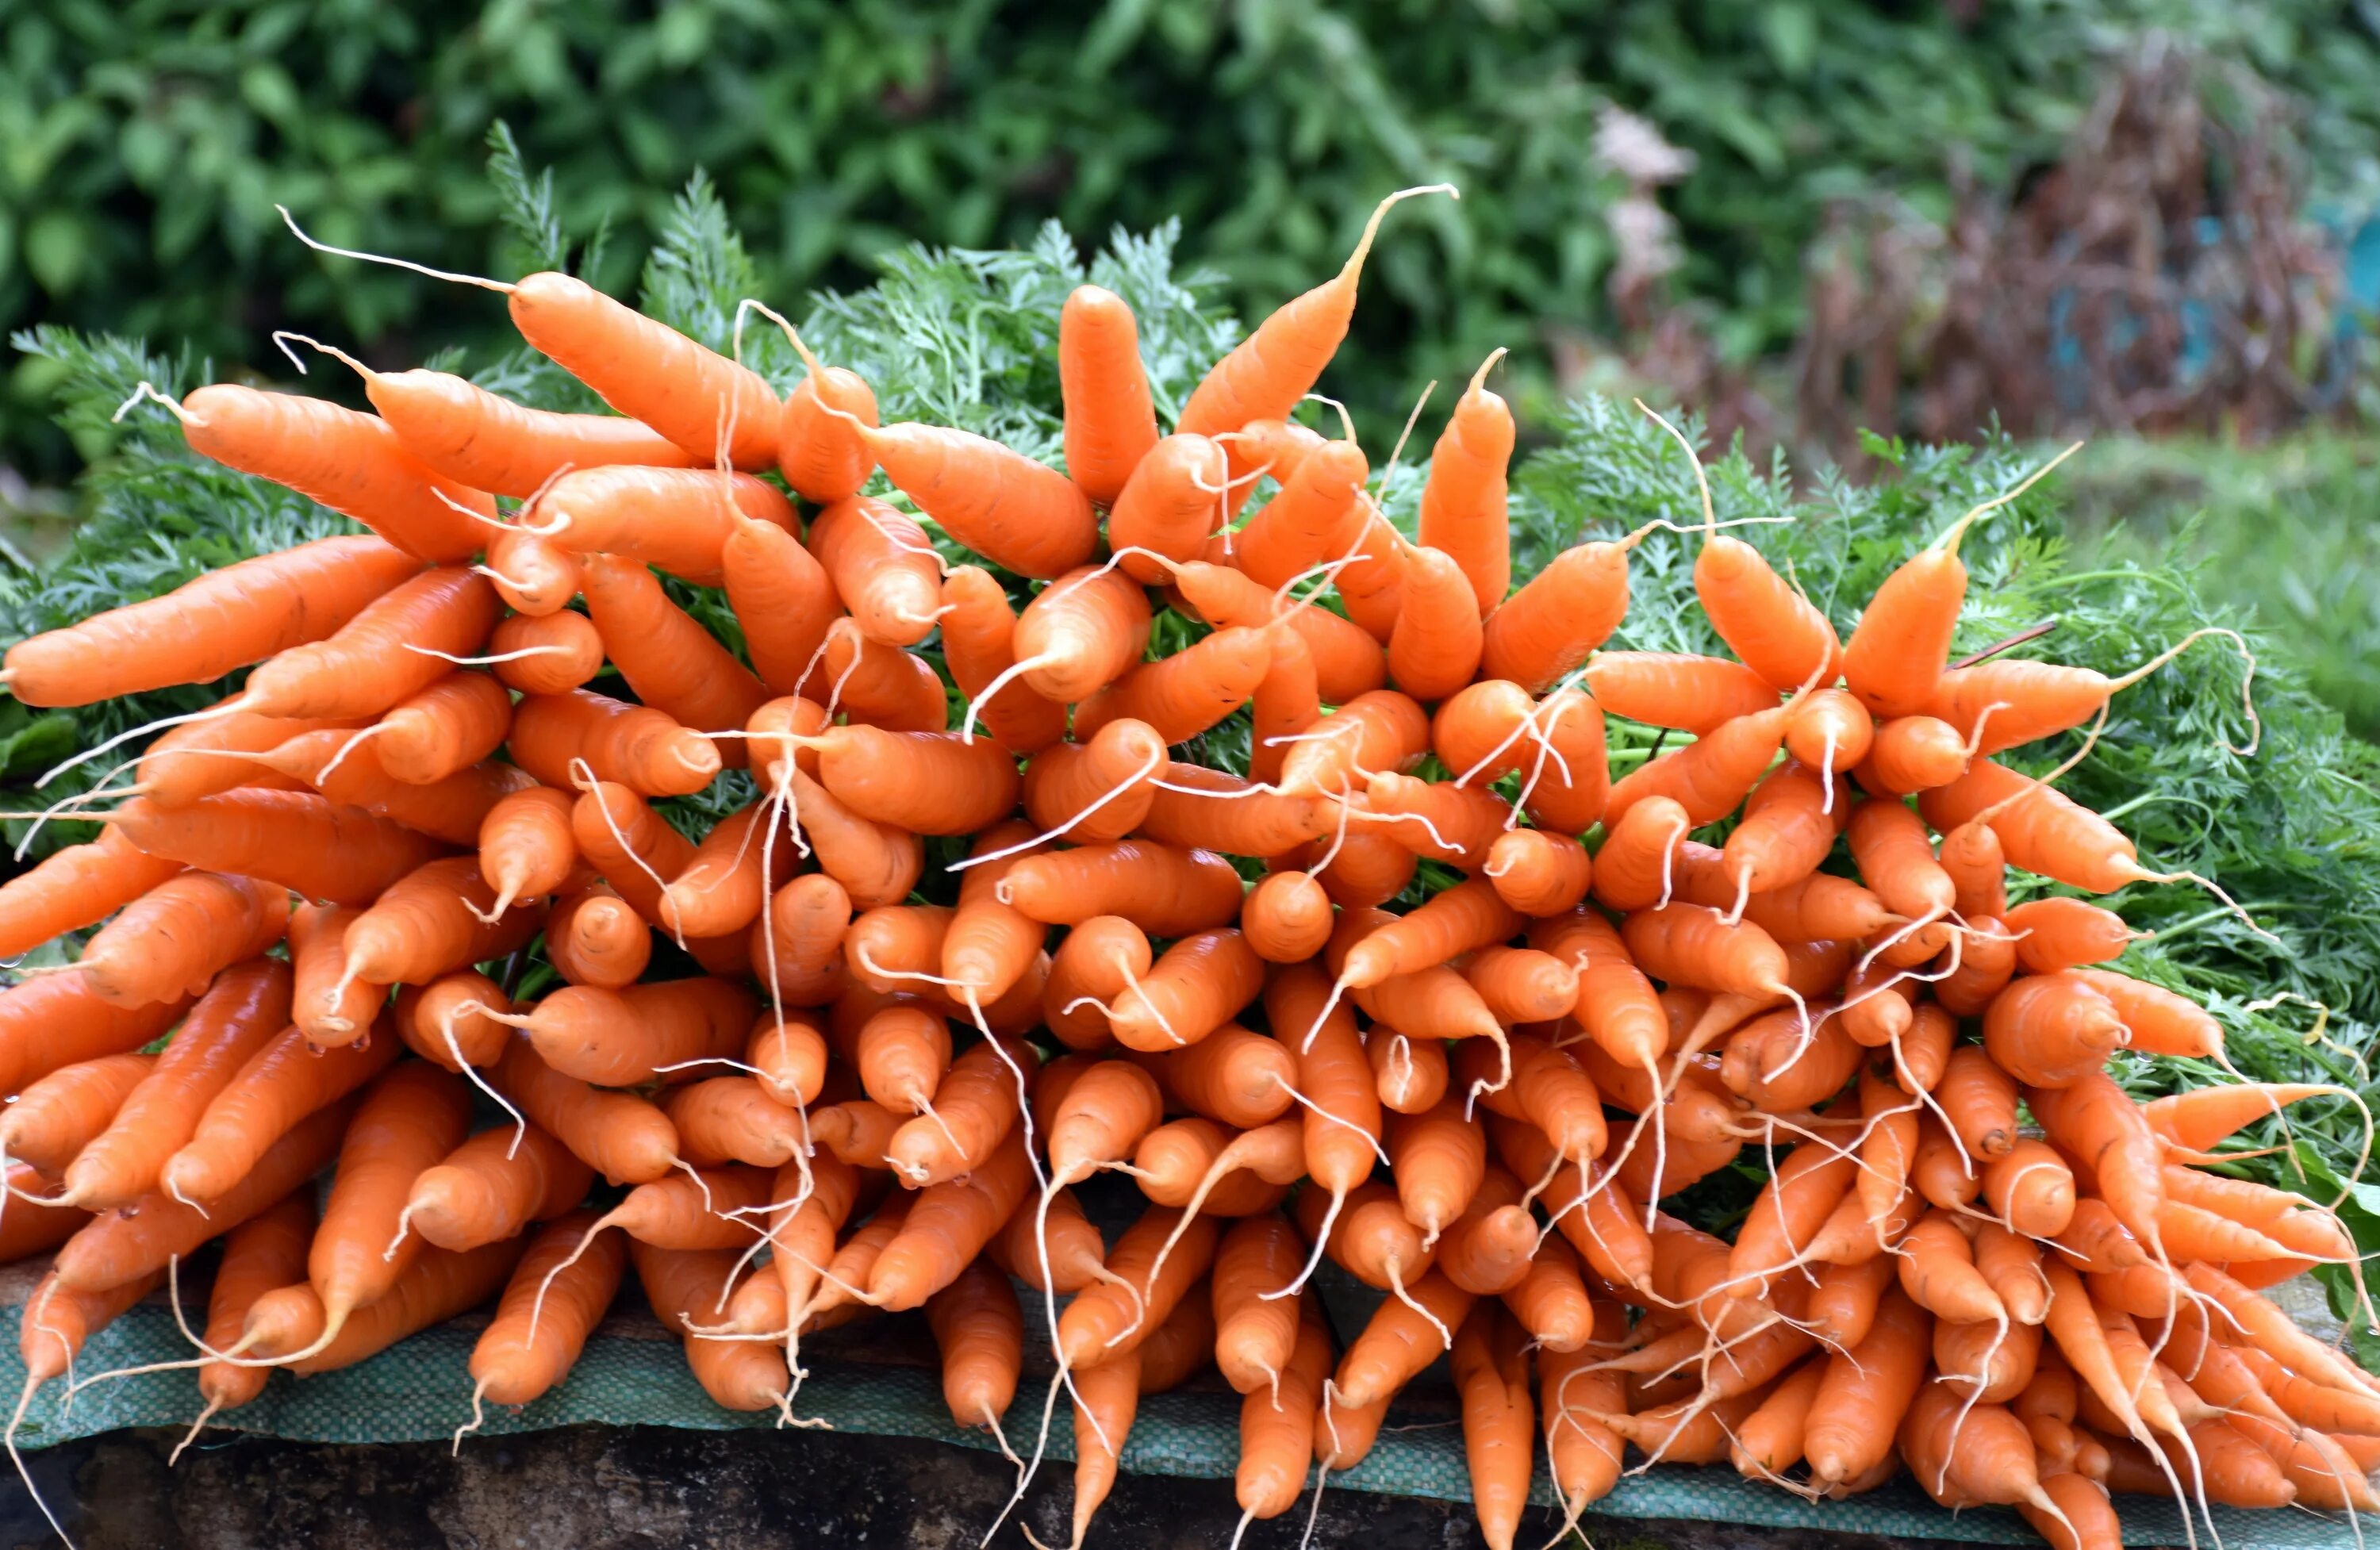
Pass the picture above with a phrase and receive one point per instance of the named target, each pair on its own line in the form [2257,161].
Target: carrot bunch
[824,1079]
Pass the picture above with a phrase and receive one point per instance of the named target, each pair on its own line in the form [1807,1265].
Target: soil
[644,1488]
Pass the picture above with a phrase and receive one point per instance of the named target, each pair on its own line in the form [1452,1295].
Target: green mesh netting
[634,1373]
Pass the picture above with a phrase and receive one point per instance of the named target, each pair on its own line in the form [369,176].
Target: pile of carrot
[813,1098]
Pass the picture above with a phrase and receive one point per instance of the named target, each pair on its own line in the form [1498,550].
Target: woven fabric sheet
[634,1373]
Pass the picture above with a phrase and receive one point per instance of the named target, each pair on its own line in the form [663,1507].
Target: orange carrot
[1492,1375]
[978,644]
[125,1246]
[882,566]
[51,1121]
[1271,371]
[252,609]
[170,943]
[492,1186]
[1436,646]
[74,887]
[1110,425]
[1166,892]
[1187,693]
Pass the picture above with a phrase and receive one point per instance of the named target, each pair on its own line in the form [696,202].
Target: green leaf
[57,244]
[1792,29]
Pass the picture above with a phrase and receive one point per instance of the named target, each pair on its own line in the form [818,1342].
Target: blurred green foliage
[143,144]
[2285,529]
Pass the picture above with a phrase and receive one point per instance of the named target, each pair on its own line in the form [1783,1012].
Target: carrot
[1400,1341]
[1167,505]
[169,944]
[1521,984]
[2031,1188]
[1080,634]
[643,749]
[251,610]
[981,1329]
[479,439]
[1567,781]
[2052,1030]
[1492,1376]
[1269,373]
[1616,1004]
[432,922]
[1865,1391]
[410,1119]
[974,1112]
[1986,961]
[183,764]
[947,1226]
[349,772]
[1108,1397]
[1434,649]
[1980,1099]
[1538,874]
[932,782]
[670,660]
[1453,824]
[620,1135]
[1689,944]
[2325,1474]
[1076,1251]
[1347,660]
[690,1287]
[247,1005]
[2061,933]
[1286,917]
[733,870]
[280,1085]
[1369,869]
[1710,775]
[593,937]
[266,1251]
[1583,1452]
[529,1346]
[2199,1118]
[1785,832]
[620,1037]
[732,1118]
[535,576]
[1677,689]
[51,1121]
[1166,892]
[1463,501]
[880,685]
[492,1186]
[1557,618]
[979,645]
[1022,515]
[354,464]
[1098,790]
[1467,916]
[1843,1305]
[387,652]
[1277,1428]
[453,724]
[74,887]
[678,519]
[1382,732]
[876,863]
[2041,830]
[525,846]
[1110,423]
[1638,864]
[37,1221]
[1801,1194]
[125,1246]
[1197,809]
[1256,1334]
[1185,693]
[2156,1021]
[1199,983]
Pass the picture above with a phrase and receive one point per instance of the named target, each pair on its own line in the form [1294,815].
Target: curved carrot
[881,565]
[1022,515]
[978,636]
